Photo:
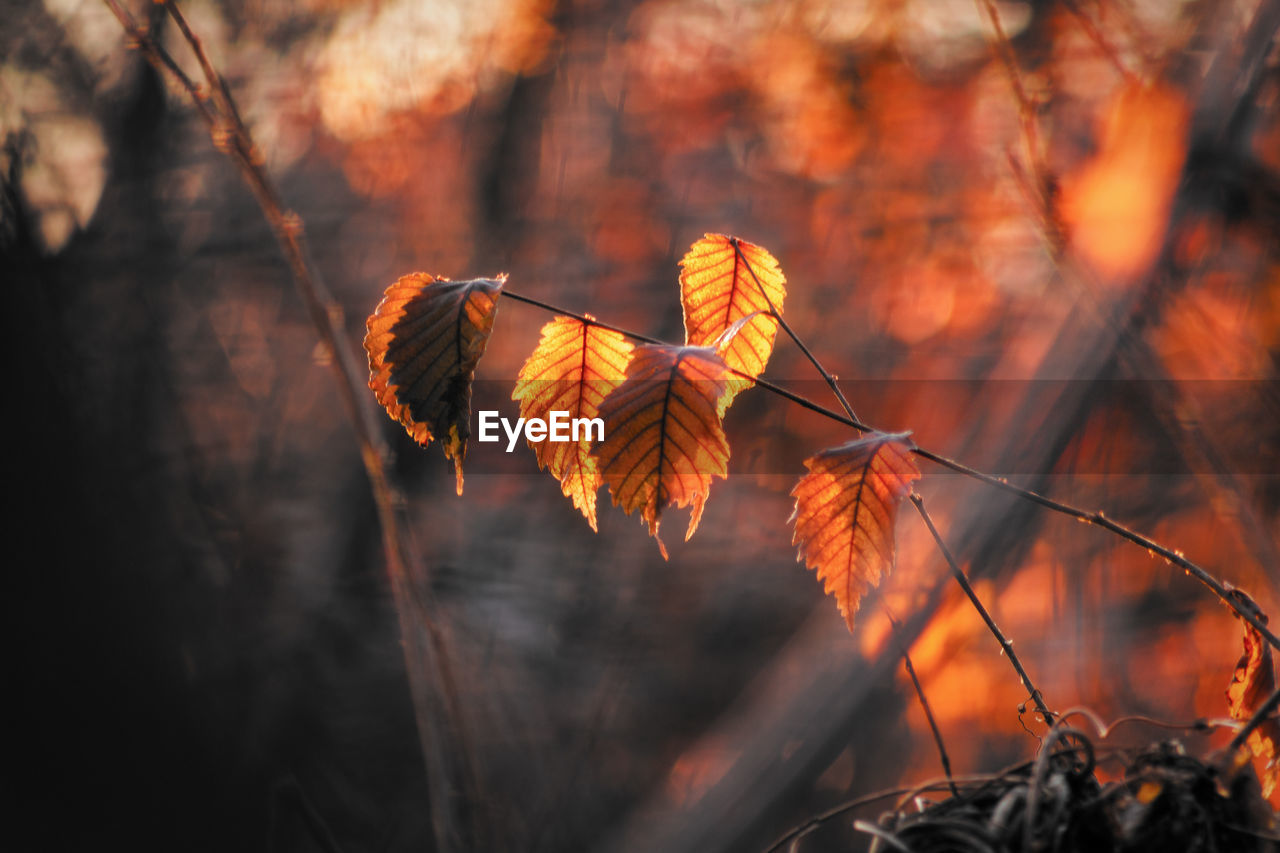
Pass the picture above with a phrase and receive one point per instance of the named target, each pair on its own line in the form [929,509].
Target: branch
[924,703]
[216,108]
[1095,35]
[786,327]
[1096,518]
[1003,49]
[1007,646]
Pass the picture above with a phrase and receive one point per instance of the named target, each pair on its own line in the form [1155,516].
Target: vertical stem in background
[1003,49]
[431,680]
[924,703]
[1005,645]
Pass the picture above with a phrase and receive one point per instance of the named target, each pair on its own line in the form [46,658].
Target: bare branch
[429,661]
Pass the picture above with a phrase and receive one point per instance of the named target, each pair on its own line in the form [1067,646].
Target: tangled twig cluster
[1164,800]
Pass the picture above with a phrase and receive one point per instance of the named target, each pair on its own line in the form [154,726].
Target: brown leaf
[718,288]
[845,510]
[663,441]
[1252,683]
[424,341]
[574,367]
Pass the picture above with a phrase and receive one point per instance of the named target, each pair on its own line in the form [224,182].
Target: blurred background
[1052,255]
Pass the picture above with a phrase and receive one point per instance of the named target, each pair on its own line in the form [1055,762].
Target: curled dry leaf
[845,510]
[424,341]
[573,369]
[663,441]
[723,280]
[1253,681]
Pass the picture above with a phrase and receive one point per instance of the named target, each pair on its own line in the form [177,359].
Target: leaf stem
[581,318]
[786,327]
[1007,646]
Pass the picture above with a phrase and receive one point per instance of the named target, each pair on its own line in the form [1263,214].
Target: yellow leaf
[845,510]
[424,341]
[574,367]
[663,441]
[722,280]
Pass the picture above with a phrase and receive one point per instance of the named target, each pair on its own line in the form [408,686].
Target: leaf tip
[654,523]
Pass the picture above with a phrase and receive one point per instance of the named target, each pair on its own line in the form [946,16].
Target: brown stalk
[1005,645]
[924,703]
[431,661]
[1003,49]
[786,327]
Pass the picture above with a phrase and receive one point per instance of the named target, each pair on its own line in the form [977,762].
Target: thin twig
[801,830]
[1003,48]
[786,327]
[1090,28]
[978,780]
[882,834]
[312,819]
[216,108]
[771,387]
[141,39]
[924,703]
[1104,730]
[982,611]
[1096,518]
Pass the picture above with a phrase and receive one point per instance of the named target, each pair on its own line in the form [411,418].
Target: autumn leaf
[424,341]
[722,280]
[574,367]
[845,510]
[1253,681]
[1116,206]
[663,441]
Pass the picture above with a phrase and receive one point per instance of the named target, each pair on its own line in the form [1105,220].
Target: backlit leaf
[663,441]
[1253,681]
[1116,206]
[574,367]
[718,288]
[845,510]
[424,341]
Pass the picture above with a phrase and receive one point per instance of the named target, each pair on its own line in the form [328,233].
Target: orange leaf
[1253,681]
[845,510]
[424,341]
[1117,205]
[717,288]
[663,440]
[574,367]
